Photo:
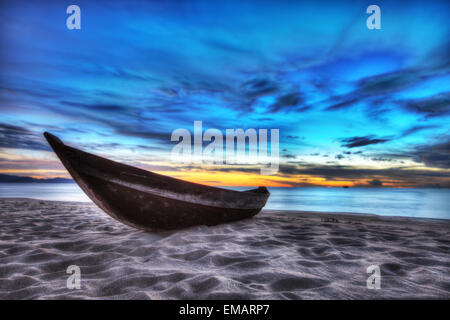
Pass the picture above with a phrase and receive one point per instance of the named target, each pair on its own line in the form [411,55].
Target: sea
[409,202]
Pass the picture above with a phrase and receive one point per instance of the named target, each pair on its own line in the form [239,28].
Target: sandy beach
[276,255]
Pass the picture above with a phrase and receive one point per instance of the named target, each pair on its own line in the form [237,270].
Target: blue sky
[354,106]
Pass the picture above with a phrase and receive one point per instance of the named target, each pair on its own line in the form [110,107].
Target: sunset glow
[354,107]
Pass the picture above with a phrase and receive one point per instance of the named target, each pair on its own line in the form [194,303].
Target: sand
[276,255]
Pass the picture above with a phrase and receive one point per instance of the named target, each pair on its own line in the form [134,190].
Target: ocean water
[425,203]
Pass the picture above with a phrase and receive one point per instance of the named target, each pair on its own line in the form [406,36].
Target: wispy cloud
[367,101]
[355,142]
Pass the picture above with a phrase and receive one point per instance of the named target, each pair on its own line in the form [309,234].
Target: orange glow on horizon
[241,179]
[233,178]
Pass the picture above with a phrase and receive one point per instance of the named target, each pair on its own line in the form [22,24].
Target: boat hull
[150,201]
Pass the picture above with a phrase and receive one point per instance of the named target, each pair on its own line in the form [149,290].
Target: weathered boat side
[151,201]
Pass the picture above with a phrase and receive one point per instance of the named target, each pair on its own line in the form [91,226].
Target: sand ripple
[276,255]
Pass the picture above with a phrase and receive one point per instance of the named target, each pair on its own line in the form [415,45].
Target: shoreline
[356,214]
[274,255]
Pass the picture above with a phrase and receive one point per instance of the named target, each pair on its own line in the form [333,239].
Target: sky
[354,106]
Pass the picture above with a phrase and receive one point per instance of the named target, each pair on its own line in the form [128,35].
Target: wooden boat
[151,201]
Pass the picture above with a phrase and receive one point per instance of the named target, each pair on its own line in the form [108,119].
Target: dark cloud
[339,171]
[355,142]
[377,90]
[415,129]
[434,156]
[145,133]
[265,119]
[382,159]
[36,92]
[375,183]
[402,175]
[374,91]
[259,87]
[108,115]
[11,129]
[388,82]
[16,137]
[238,169]
[286,101]
[437,105]
[343,104]
[112,108]
[391,155]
